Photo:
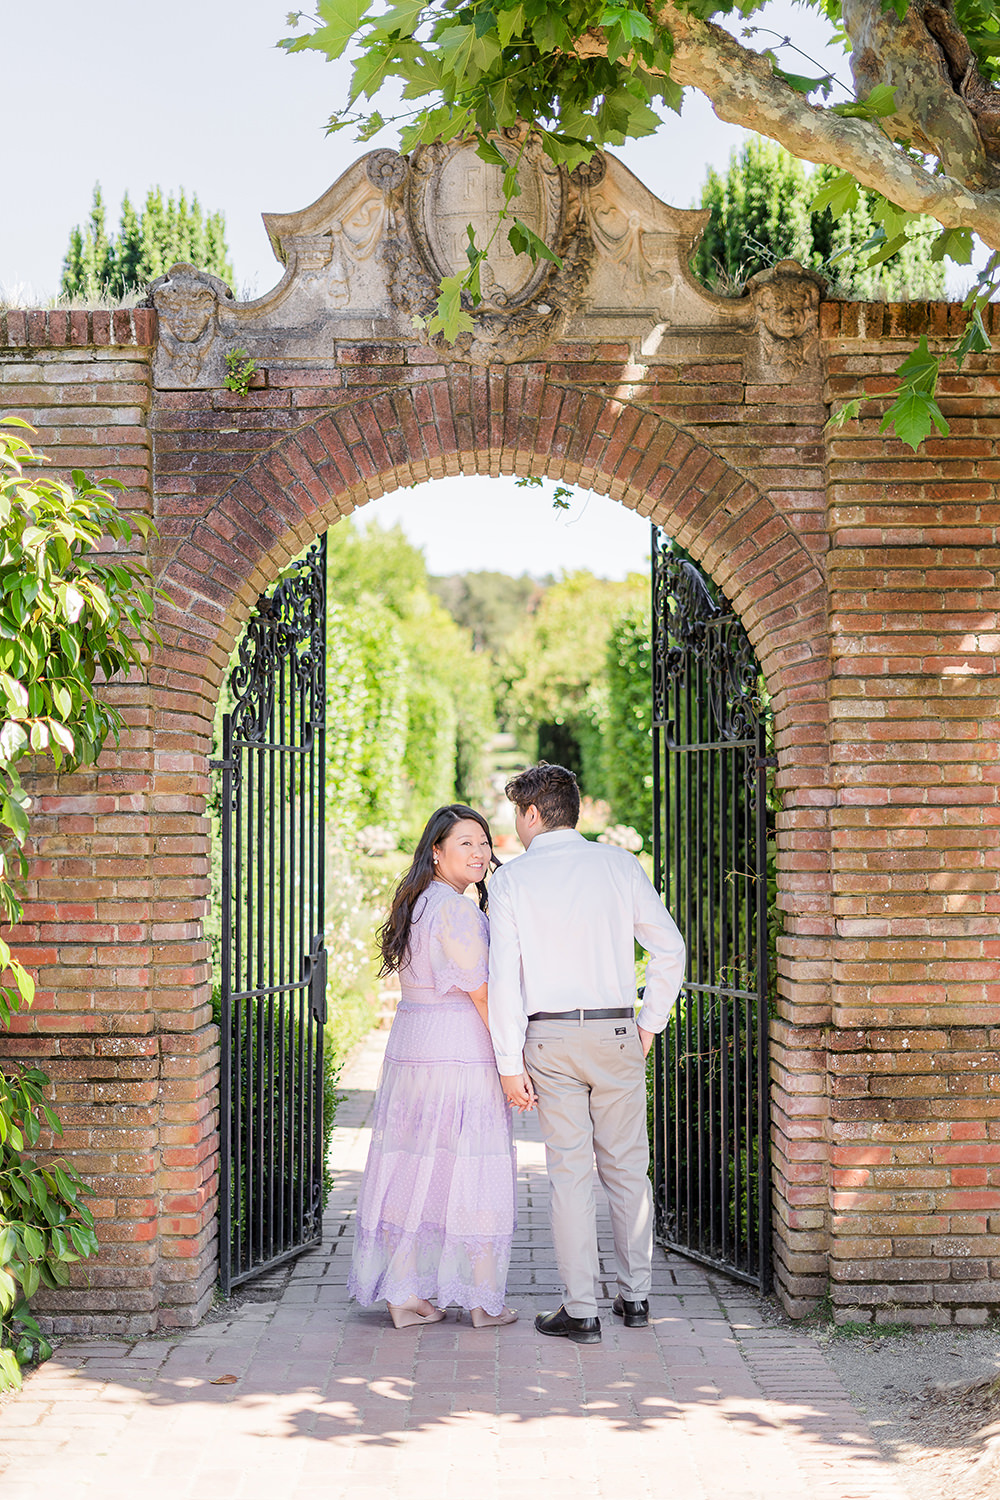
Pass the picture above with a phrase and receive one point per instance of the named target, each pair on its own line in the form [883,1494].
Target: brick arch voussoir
[492,422]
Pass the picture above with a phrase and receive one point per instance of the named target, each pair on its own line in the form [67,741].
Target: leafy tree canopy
[919,125]
[378,562]
[762,212]
[441,686]
[552,674]
[489,605]
[102,263]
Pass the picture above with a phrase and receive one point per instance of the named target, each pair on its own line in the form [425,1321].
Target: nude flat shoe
[408,1315]
[482,1319]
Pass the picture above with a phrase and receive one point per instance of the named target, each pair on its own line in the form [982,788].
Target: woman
[436,1211]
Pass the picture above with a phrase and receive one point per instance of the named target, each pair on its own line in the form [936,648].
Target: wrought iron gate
[710,834]
[273,963]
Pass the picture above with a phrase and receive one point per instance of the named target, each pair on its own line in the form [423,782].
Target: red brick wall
[861,574]
[112,919]
[915,1022]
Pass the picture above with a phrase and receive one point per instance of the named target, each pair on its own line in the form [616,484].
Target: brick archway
[309,478]
[865,576]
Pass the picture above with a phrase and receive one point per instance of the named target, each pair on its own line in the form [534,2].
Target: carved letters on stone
[447,187]
[786,302]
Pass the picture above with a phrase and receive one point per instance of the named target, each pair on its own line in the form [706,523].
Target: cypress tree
[197,245]
[154,234]
[71,284]
[173,249]
[761,213]
[101,250]
[99,264]
[216,249]
[128,253]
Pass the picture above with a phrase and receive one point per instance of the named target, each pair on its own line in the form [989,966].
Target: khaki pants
[590,1078]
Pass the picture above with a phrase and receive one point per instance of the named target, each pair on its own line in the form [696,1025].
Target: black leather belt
[618,1013]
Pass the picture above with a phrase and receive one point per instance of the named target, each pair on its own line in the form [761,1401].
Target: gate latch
[317,980]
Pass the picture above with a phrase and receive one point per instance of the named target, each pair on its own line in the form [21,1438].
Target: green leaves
[562,497]
[915,413]
[912,416]
[526,242]
[467,54]
[340,22]
[488,152]
[45,1224]
[975,339]
[953,244]
[877,105]
[845,413]
[884,247]
[486,64]
[240,370]
[70,614]
[840,196]
[510,23]
[451,319]
[800,83]
[623,28]
[401,19]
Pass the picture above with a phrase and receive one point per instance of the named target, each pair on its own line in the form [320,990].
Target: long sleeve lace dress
[436,1212]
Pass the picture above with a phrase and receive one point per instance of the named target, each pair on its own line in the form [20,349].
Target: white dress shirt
[563,916]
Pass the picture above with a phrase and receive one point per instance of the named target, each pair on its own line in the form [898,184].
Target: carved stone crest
[187,302]
[525,305]
[786,300]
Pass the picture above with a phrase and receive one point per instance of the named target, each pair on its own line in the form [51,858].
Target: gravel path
[932,1399]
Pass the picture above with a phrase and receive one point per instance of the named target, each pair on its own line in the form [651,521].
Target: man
[563,918]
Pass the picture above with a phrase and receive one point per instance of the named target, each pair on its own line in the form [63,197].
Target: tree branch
[927,72]
[743,89]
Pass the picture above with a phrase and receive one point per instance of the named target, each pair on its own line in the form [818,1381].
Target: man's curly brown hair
[552,789]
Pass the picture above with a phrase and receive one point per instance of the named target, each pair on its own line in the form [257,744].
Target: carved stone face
[787,306]
[186,305]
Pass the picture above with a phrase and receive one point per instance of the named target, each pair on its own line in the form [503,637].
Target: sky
[196,95]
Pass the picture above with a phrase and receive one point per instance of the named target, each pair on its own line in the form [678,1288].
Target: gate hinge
[763,761]
[221,765]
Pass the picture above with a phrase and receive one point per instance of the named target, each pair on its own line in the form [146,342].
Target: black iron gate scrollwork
[710,835]
[273,960]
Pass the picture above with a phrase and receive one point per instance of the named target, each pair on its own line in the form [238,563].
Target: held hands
[517,1090]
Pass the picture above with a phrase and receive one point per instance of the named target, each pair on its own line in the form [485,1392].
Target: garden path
[710,1403]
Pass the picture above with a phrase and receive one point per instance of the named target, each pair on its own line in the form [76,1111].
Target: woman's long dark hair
[393,938]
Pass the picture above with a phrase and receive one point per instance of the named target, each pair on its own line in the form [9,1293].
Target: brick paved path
[331,1401]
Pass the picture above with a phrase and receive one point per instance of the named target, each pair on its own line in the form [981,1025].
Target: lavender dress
[436,1212]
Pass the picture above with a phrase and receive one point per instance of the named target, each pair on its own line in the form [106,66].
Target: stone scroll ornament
[188,349]
[786,300]
[441,189]
[326,262]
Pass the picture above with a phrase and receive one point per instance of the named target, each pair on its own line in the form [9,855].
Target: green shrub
[628,740]
[45,1225]
[71,614]
[367,684]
